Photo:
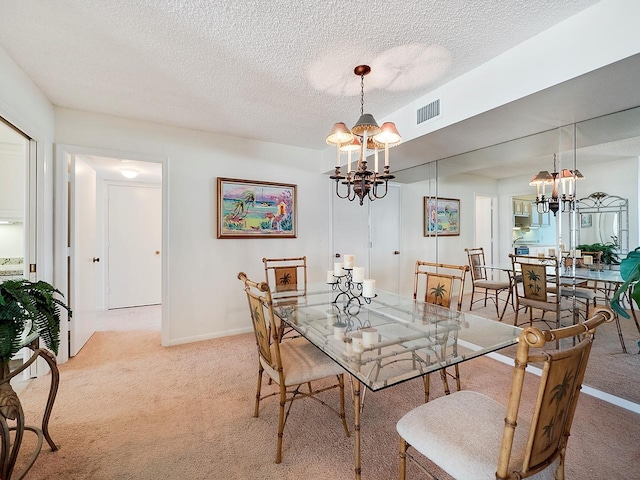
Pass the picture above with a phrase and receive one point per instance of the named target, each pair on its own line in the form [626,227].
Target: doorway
[93,266]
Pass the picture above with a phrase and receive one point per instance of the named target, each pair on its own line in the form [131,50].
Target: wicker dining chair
[468,435]
[292,365]
[440,282]
[287,279]
[481,282]
[286,275]
[539,287]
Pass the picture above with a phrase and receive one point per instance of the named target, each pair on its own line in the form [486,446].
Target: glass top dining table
[401,338]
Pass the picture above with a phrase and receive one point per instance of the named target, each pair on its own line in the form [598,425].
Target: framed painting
[255,209]
[441,216]
[586,221]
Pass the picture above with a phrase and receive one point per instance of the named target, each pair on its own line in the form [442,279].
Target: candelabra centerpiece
[348,280]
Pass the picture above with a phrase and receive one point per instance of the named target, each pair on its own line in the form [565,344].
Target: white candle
[349,261]
[588,260]
[349,162]
[368,288]
[376,157]
[358,274]
[386,154]
[578,253]
[330,277]
[369,336]
[356,342]
[338,270]
[338,159]
[552,252]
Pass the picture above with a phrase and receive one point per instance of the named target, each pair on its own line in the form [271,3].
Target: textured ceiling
[279,70]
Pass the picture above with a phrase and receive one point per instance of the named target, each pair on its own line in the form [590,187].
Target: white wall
[205,298]
[12,240]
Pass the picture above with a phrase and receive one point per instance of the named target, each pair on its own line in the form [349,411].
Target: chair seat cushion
[462,432]
[302,362]
[549,306]
[492,284]
[580,292]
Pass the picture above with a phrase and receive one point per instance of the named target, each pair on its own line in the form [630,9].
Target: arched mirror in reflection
[604,219]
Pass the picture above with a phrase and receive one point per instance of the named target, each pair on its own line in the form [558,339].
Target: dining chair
[292,365]
[468,435]
[440,281]
[286,275]
[539,288]
[287,278]
[483,283]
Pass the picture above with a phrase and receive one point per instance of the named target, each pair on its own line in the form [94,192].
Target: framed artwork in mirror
[586,220]
[441,216]
[256,209]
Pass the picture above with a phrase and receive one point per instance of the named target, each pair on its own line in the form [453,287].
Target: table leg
[356,427]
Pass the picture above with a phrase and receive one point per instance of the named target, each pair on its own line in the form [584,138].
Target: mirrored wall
[498,210]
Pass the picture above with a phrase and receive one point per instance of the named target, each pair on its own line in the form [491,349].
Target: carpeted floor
[130,409]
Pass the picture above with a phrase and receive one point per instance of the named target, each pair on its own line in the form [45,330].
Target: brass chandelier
[365,135]
[553,203]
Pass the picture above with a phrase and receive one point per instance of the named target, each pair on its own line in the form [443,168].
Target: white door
[84,273]
[371,232]
[385,240]
[134,241]
[351,231]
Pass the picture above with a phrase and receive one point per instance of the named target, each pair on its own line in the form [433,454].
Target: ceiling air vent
[428,112]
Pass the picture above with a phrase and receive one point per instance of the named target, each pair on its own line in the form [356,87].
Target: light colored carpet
[130,409]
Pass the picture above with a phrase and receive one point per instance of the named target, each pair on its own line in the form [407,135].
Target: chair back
[476,263]
[441,281]
[558,390]
[539,276]
[263,320]
[286,274]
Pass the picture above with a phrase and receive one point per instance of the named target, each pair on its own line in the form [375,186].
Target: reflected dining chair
[440,281]
[292,365]
[539,287]
[481,282]
[468,435]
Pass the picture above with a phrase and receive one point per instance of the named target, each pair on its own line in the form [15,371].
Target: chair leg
[457,370]
[402,473]
[281,420]
[257,407]
[473,290]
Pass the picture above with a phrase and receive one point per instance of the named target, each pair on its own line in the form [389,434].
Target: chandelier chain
[362,94]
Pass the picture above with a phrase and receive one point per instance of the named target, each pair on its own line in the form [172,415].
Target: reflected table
[403,338]
[612,279]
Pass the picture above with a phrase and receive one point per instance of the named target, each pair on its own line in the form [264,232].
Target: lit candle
[330,277]
[368,288]
[349,261]
[358,274]
[338,270]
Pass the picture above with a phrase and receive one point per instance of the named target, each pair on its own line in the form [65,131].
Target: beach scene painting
[250,209]
[441,216]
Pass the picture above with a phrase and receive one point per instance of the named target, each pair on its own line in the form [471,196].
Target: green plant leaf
[630,273]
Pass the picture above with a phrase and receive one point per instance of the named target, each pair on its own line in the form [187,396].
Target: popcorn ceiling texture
[256,69]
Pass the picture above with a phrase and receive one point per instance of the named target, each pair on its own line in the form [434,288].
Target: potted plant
[630,273]
[609,252]
[25,308]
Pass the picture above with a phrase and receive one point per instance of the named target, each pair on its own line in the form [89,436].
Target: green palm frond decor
[23,302]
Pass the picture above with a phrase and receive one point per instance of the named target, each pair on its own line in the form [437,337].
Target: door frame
[62,253]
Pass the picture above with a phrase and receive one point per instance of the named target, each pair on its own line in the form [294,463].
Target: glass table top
[392,338]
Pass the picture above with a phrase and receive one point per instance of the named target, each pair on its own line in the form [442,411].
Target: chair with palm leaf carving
[485,283]
[287,278]
[468,435]
[292,365]
[443,285]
